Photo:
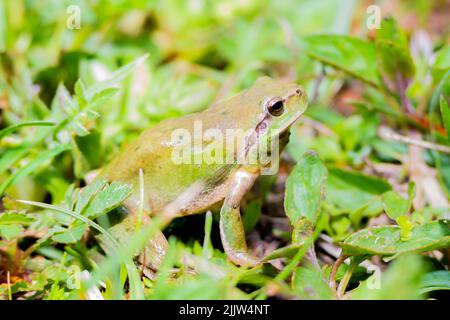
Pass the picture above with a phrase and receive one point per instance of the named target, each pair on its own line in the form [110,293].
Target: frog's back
[164,178]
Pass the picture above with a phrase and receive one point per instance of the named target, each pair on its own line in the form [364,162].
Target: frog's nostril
[298,92]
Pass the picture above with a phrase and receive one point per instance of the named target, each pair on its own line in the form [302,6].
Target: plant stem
[8,280]
[334,270]
[346,278]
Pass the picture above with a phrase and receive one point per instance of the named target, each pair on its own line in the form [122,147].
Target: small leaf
[309,283]
[108,199]
[10,231]
[71,234]
[436,280]
[80,94]
[9,218]
[88,192]
[288,251]
[351,55]
[351,190]
[387,240]
[304,189]
[62,104]
[101,97]
[406,227]
[397,208]
[395,205]
[393,55]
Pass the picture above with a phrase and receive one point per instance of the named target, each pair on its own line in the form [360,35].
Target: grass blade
[14,127]
[73,214]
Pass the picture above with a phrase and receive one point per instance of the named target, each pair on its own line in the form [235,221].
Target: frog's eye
[275,107]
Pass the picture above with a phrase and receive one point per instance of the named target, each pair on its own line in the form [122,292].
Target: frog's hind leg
[231,228]
[156,247]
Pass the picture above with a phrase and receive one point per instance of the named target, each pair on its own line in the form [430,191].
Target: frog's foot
[231,228]
[243,259]
[155,250]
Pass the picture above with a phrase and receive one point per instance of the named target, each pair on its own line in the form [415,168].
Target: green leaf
[14,127]
[397,209]
[10,231]
[395,205]
[87,193]
[442,61]
[351,55]
[108,199]
[9,218]
[406,227]
[32,166]
[288,251]
[401,281]
[309,283]
[102,96]
[387,240]
[435,280]
[11,224]
[393,55]
[304,189]
[445,113]
[71,234]
[351,190]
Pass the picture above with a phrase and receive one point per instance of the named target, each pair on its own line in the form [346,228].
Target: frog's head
[280,105]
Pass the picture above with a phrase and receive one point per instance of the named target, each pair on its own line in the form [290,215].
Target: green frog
[189,166]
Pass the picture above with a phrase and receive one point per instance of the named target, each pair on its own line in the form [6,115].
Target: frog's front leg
[231,228]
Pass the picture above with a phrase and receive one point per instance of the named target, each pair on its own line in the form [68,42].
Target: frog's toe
[244,259]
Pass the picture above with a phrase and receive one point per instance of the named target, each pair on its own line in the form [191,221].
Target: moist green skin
[167,183]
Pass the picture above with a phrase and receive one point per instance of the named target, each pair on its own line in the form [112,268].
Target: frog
[164,187]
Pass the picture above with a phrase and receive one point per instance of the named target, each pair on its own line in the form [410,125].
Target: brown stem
[334,270]
[402,85]
[317,84]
